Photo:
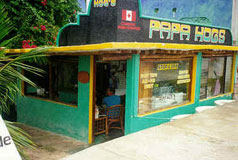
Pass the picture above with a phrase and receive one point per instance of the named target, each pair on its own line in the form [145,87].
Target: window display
[164,84]
[216,76]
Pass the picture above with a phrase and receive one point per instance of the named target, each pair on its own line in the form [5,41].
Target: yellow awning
[127,46]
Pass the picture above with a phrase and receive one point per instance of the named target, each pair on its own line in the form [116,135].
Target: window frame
[159,58]
[50,72]
[224,73]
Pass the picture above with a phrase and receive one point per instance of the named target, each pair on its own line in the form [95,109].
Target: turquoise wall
[59,118]
[132,84]
[83,99]
[135,123]
[50,116]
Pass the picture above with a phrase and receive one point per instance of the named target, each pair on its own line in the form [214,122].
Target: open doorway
[109,102]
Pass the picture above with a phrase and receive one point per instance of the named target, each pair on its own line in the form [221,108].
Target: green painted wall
[59,118]
[210,102]
[49,116]
[135,123]
[132,84]
[198,78]
[83,99]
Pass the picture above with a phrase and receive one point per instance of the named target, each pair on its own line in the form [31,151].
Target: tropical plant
[21,138]
[37,22]
[11,66]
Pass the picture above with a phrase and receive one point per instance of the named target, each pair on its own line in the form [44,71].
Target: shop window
[59,83]
[164,84]
[42,82]
[216,76]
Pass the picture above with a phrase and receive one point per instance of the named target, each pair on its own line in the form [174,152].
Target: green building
[159,68]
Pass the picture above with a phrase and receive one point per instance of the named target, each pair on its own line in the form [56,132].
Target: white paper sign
[8,149]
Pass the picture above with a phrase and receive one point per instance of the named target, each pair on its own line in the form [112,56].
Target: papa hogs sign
[186,32]
[121,21]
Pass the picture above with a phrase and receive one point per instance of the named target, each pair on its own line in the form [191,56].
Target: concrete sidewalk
[50,146]
[209,135]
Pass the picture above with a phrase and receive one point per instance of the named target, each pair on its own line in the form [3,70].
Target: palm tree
[10,74]
[11,66]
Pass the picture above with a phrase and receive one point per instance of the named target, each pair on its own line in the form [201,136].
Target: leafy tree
[36,22]
[10,73]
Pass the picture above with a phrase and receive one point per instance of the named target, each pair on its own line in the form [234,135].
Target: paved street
[209,135]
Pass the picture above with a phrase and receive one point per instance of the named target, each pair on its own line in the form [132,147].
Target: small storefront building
[159,68]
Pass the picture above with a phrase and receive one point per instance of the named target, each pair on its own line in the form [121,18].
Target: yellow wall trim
[51,101]
[165,109]
[233,73]
[194,74]
[90,116]
[222,95]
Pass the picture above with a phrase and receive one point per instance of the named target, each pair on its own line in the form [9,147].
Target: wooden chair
[115,114]
[100,125]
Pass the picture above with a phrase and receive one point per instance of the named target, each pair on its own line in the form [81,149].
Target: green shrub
[36,23]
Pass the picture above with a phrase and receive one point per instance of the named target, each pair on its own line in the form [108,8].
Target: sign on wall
[8,149]
[120,21]
[178,32]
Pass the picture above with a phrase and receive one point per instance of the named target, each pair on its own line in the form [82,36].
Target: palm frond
[11,66]
[5,24]
[20,138]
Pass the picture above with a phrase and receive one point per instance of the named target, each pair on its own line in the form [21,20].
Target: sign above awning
[121,21]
